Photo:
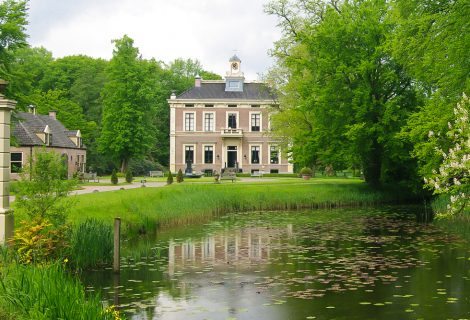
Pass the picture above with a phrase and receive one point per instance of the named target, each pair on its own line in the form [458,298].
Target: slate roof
[216,91]
[29,124]
[235,58]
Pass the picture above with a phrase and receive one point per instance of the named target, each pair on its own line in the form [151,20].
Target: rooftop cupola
[234,78]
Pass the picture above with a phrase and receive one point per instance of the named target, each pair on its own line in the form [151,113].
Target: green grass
[45,292]
[146,208]
[91,244]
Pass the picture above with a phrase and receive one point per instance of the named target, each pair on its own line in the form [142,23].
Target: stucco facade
[224,124]
[34,132]
[76,158]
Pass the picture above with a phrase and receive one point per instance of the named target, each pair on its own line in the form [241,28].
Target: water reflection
[241,246]
[341,264]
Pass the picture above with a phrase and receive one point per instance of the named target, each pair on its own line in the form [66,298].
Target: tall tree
[352,95]
[432,41]
[12,31]
[129,106]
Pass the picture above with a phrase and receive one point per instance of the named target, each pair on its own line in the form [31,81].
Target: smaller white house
[33,131]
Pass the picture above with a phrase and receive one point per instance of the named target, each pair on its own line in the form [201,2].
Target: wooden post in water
[117,246]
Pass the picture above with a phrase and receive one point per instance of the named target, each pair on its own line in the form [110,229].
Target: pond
[336,264]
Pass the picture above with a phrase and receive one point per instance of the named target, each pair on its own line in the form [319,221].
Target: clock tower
[234,78]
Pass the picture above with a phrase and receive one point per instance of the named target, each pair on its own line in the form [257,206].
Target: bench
[91,176]
[258,174]
[228,176]
[157,173]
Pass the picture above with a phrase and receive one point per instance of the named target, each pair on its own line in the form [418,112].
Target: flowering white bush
[453,177]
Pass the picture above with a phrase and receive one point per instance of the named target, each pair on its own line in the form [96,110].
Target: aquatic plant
[47,292]
[91,244]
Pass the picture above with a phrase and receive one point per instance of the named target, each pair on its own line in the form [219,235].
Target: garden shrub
[114,177]
[169,180]
[179,176]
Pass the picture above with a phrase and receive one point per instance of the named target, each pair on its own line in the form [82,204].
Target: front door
[231,156]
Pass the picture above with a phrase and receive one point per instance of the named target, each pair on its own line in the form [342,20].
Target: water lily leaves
[348,262]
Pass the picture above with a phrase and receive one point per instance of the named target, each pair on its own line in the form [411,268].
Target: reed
[46,292]
[91,244]
[147,208]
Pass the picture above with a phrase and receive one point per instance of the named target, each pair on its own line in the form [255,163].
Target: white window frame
[203,158]
[194,121]
[278,154]
[237,117]
[194,153]
[260,154]
[260,120]
[213,121]
[11,161]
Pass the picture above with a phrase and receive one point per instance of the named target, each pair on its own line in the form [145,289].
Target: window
[255,154]
[274,171]
[255,122]
[232,120]
[208,122]
[48,139]
[273,154]
[189,154]
[234,84]
[209,105]
[189,105]
[232,105]
[16,162]
[255,105]
[189,121]
[208,154]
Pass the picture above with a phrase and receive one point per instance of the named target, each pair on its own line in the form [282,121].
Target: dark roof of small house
[211,90]
[29,124]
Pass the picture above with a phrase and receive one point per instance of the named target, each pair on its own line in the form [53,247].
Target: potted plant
[306,173]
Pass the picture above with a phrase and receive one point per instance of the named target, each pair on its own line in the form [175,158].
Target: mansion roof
[214,90]
[29,125]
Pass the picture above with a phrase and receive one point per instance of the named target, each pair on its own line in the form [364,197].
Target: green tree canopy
[343,87]
[129,105]
[12,31]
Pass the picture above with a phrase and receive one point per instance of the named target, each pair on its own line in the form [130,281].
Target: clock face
[234,66]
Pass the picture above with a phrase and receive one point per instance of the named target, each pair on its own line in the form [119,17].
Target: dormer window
[47,136]
[48,139]
[234,84]
[79,140]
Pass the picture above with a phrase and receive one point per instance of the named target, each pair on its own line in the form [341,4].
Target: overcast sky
[207,30]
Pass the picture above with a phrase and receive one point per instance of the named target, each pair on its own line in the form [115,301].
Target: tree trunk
[124,163]
[373,165]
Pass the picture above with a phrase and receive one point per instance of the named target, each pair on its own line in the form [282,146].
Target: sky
[210,31]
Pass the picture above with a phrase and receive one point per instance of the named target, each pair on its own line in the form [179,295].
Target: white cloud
[207,30]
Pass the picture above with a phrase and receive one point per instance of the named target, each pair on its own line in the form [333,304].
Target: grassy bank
[183,203]
[45,292]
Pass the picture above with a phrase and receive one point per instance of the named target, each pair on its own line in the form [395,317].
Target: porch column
[6,214]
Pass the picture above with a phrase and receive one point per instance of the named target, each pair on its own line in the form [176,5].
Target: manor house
[221,124]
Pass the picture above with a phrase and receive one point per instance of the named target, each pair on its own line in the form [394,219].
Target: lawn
[182,203]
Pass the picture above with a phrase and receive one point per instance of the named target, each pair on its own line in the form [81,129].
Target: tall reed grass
[91,244]
[146,208]
[46,292]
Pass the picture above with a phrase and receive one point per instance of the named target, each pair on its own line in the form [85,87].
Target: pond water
[336,264]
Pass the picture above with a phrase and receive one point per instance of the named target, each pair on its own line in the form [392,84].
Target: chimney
[197,81]
[32,109]
[53,114]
